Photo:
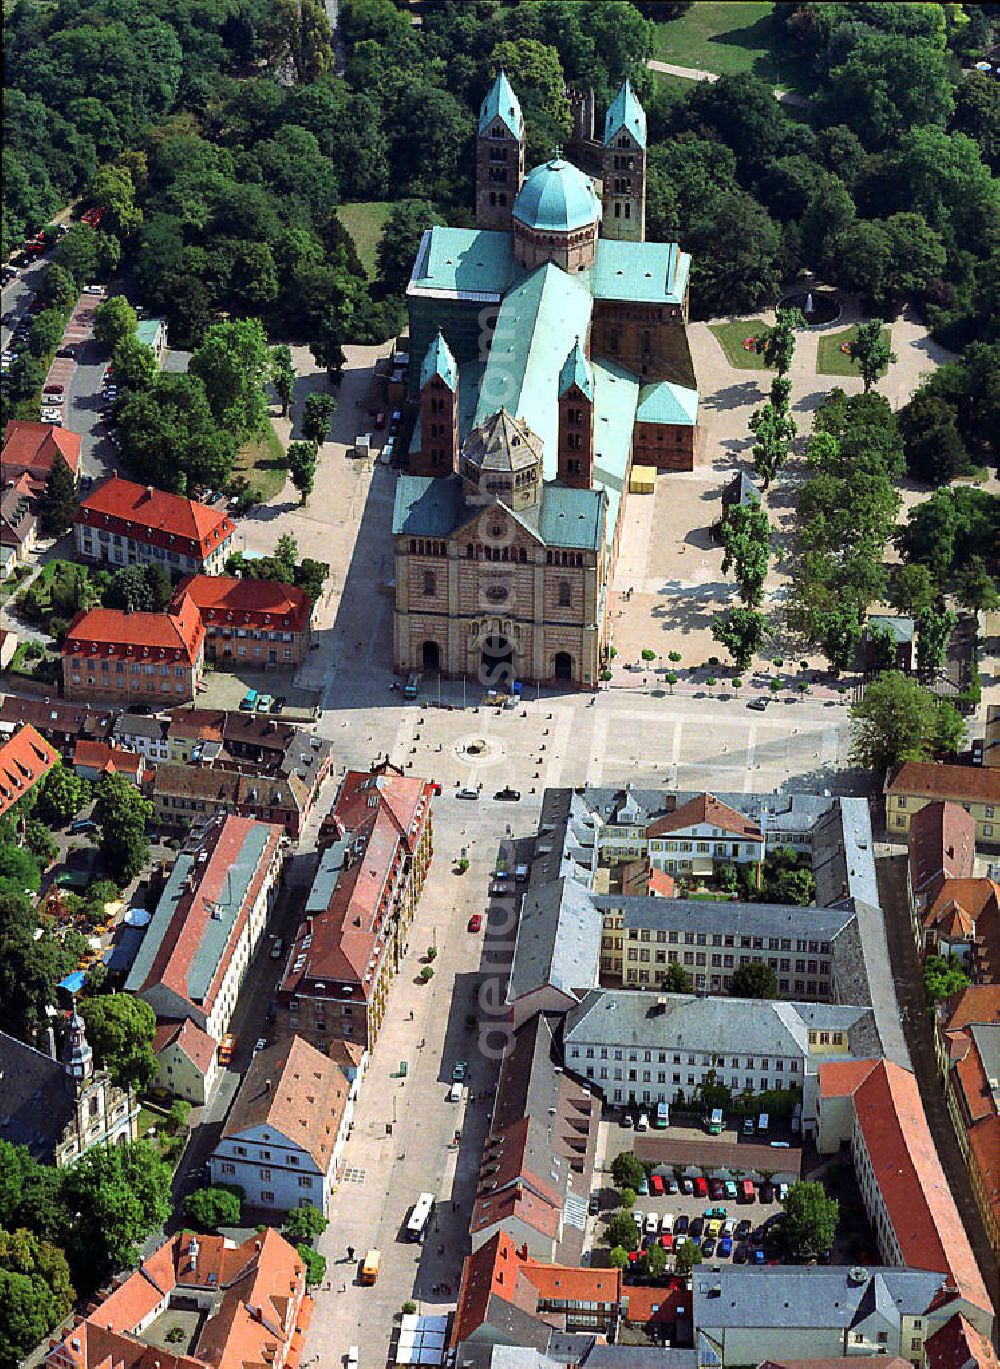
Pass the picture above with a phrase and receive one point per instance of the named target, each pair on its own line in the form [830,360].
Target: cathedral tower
[77,1056]
[499,155]
[624,168]
[438,454]
[576,420]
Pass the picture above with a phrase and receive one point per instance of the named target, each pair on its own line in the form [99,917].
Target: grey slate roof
[814,1296]
[37,1098]
[558,940]
[634,1018]
[704,915]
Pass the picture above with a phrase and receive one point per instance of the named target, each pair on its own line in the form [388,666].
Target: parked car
[740,1254]
[508,795]
[670,1185]
[460,1069]
[278,705]
[656,1185]
[259,1045]
[743,1229]
[627,1120]
[748,1126]
[93,290]
[277,948]
[467,793]
[264,702]
[767,1192]
[687,1186]
[69,351]
[701,1187]
[83,825]
[593,1204]
[249,701]
[667,1221]
[652,1224]
[681,1224]
[53,389]
[696,1227]
[667,1240]
[639,1218]
[759,704]
[643,1189]
[475,922]
[708,1247]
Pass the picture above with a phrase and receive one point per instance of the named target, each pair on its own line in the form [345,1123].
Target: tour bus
[370,1268]
[420,1217]
[662,1115]
[713,1122]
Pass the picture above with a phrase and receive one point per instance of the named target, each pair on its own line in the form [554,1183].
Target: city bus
[370,1268]
[420,1217]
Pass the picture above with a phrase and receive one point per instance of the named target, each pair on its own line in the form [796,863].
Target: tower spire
[77,1056]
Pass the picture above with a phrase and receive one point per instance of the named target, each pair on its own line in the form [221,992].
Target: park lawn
[728,37]
[731,337]
[673,88]
[364,221]
[262,464]
[831,361]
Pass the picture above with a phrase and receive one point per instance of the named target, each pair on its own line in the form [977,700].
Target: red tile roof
[191,916]
[840,1078]
[908,1174]
[491,1271]
[559,1281]
[153,516]
[977,1003]
[381,815]
[257,1302]
[293,1088]
[107,759]
[32,447]
[225,599]
[189,1038]
[942,845]
[964,783]
[958,1345]
[24,758]
[114,634]
[705,808]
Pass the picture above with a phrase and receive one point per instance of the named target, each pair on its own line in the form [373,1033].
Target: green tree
[686,1258]
[161,589]
[35,1291]
[304,1224]
[46,332]
[135,364]
[328,346]
[30,1194]
[30,967]
[618,1257]
[169,436]
[112,188]
[777,344]
[299,31]
[40,842]
[627,1171]
[120,1029]
[677,980]
[809,1221]
[58,503]
[882,644]
[934,629]
[774,431]
[975,586]
[315,1264]
[935,452]
[211,1208]
[656,1261]
[129,590]
[77,254]
[302,467]
[316,416]
[746,544]
[61,795]
[871,350]
[753,979]
[943,975]
[911,590]
[121,1194]
[18,869]
[398,243]
[977,113]
[123,813]
[898,720]
[283,375]
[741,631]
[114,320]
[58,289]
[888,83]
[541,89]
[234,363]
[622,1231]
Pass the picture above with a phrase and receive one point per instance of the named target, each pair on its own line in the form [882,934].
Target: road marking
[751,755]
[598,745]
[675,751]
[557,747]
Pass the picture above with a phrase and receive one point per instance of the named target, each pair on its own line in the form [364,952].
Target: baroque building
[548,347]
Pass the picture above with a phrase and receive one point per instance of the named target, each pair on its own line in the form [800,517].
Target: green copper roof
[426,506]
[667,403]
[501,101]
[439,362]
[571,518]
[616,393]
[625,111]
[576,371]
[525,361]
[557,198]
[474,262]
[651,272]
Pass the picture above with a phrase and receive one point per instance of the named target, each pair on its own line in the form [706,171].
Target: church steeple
[438,451]
[77,1056]
[576,420]
[624,167]
[499,154]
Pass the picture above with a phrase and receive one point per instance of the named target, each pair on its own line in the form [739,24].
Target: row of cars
[716,1235]
[744,1191]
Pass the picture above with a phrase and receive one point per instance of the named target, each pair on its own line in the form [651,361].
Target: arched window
[430,583]
[565,594]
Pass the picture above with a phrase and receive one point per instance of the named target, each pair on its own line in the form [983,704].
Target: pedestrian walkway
[785,97]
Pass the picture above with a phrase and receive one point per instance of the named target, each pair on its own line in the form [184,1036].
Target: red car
[52,390]
[716,1189]
[656,1185]
[475,922]
[700,1188]
[667,1241]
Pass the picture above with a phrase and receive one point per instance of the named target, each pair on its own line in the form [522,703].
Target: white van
[643,1122]
[763,1122]
[455,1093]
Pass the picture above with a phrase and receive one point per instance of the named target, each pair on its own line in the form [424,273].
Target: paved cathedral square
[549,351]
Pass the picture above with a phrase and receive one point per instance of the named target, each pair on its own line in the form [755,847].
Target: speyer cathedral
[549,352]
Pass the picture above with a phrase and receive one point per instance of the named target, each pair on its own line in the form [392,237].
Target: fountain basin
[825,306]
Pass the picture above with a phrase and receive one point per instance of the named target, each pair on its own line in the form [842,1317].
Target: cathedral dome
[557,198]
